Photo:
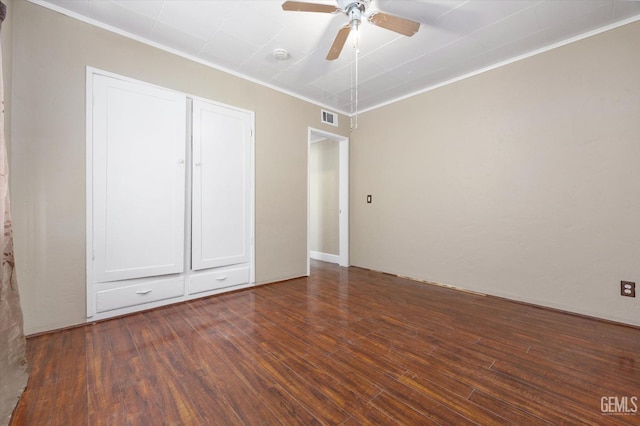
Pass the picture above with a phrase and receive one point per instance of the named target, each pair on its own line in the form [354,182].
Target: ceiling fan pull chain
[354,78]
[357,55]
[351,92]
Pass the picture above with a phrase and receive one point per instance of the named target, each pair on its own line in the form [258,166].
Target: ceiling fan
[355,10]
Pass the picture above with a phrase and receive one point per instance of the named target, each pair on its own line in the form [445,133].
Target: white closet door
[139,147]
[221,186]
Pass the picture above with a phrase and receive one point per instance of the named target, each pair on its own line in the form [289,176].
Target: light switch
[368,199]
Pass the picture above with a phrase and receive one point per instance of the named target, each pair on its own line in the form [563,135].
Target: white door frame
[343,149]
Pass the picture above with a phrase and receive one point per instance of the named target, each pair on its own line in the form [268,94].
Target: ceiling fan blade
[395,23]
[338,43]
[299,6]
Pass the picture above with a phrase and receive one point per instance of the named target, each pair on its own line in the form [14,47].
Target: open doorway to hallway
[328,198]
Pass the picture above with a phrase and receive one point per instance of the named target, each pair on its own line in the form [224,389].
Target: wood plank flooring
[345,347]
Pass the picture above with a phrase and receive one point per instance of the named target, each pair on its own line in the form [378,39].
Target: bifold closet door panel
[138,160]
[221,186]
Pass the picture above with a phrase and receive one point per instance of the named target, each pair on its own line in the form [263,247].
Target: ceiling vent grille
[328,117]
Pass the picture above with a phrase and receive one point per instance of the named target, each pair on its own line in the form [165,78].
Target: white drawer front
[138,294]
[217,279]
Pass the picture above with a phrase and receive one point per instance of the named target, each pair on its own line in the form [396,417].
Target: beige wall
[51,52]
[324,200]
[521,182]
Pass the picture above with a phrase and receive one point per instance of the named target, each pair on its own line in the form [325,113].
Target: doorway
[327,198]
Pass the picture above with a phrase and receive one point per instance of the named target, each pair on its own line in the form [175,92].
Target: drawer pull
[147,291]
[221,278]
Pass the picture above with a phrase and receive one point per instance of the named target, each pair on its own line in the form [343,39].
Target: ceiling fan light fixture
[280,54]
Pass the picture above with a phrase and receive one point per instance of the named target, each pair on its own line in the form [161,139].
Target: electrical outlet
[627,288]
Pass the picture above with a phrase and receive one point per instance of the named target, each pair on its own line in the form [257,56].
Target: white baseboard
[325,257]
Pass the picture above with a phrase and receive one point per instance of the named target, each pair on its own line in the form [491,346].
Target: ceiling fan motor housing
[348,5]
[354,10]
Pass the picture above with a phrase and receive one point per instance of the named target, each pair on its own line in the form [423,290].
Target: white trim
[143,40]
[507,62]
[91,305]
[98,71]
[325,257]
[252,184]
[344,202]
[316,135]
[118,31]
[188,182]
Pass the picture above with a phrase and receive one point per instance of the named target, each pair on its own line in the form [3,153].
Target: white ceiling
[456,38]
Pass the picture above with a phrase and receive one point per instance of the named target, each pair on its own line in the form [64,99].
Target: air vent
[329,118]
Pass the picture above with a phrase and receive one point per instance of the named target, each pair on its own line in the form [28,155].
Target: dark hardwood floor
[346,346]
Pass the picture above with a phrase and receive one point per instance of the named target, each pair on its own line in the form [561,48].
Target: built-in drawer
[218,278]
[138,294]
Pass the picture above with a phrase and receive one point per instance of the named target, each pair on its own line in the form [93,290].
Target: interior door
[221,186]
[138,160]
